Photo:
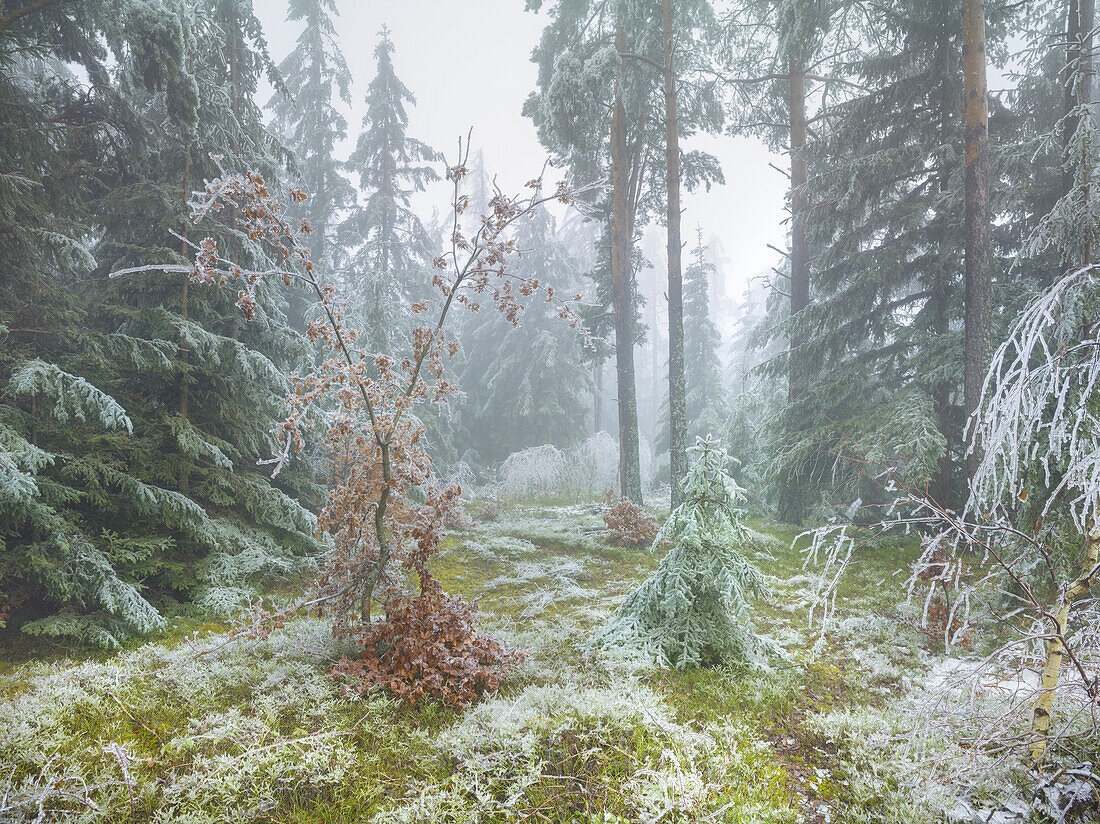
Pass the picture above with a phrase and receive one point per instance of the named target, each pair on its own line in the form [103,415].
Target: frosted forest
[561,411]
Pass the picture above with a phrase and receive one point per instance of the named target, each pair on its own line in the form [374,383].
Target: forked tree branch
[19,13]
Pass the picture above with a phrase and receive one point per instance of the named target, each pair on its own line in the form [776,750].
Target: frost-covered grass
[193,729]
[244,732]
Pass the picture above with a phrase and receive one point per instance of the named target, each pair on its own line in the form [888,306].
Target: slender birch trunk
[1056,645]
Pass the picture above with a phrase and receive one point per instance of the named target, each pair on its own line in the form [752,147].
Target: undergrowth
[203,729]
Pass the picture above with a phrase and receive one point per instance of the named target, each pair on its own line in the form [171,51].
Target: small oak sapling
[427,644]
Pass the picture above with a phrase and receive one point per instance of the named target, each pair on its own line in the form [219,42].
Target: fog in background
[468,64]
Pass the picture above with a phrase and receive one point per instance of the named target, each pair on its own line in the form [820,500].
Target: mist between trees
[246,379]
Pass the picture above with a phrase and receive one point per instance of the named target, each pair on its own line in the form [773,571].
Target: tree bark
[597,401]
[185,251]
[1056,646]
[234,92]
[800,258]
[622,230]
[942,284]
[791,504]
[677,389]
[978,312]
[184,297]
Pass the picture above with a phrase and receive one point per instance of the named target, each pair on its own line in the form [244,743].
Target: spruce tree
[125,498]
[307,116]
[781,61]
[478,186]
[706,396]
[1037,126]
[526,386]
[211,411]
[885,190]
[390,248]
[694,610]
[707,405]
[62,140]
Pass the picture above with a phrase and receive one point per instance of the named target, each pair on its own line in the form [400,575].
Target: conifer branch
[19,13]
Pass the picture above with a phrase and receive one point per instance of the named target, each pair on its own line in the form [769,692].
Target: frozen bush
[538,470]
[595,464]
[590,468]
[694,611]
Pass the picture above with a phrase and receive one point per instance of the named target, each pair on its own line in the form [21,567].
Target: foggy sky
[468,63]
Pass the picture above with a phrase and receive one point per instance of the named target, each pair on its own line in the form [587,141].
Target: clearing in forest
[202,729]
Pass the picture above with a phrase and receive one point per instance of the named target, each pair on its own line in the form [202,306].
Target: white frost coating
[20,462]
[694,610]
[537,470]
[73,398]
[1035,405]
[1037,431]
[596,463]
[591,467]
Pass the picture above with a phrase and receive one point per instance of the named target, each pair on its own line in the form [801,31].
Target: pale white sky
[468,63]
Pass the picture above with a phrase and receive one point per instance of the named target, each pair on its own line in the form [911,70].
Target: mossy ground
[171,731]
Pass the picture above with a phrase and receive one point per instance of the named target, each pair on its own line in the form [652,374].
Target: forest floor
[194,727]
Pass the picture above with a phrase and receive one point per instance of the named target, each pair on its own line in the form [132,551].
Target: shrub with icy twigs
[591,467]
[538,470]
[491,511]
[594,464]
[462,475]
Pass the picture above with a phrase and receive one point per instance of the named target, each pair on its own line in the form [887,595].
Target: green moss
[261,734]
[584,772]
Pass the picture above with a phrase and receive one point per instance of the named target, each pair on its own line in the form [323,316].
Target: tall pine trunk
[185,250]
[597,400]
[622,231]
[235,96]
[791,499]
[939,304]
[677,390]
[976,214]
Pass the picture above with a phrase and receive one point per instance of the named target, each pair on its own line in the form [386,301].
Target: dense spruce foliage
[134,412]
[388,249]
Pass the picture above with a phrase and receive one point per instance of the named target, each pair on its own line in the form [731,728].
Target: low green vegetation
[208,727]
